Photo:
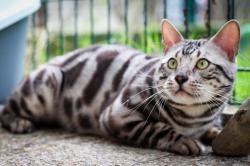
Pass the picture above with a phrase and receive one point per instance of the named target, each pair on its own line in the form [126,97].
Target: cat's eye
[172,63]
[202,64]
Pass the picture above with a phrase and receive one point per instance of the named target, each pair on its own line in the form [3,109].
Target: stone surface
[234,140]
[56,147]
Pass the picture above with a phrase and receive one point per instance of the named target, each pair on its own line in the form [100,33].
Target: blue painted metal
[12,47]
[13,30]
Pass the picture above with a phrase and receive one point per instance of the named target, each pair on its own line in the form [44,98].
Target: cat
[171,102]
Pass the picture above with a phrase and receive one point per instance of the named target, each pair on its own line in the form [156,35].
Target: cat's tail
[1,109]
[1,112]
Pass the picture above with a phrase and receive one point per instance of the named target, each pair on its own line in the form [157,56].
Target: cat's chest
[191,121]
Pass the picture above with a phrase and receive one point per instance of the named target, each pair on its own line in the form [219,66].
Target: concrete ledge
[56,147]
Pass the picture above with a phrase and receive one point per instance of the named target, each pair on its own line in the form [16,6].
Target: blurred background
[60,26]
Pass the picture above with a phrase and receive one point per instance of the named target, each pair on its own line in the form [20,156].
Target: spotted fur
[122,94]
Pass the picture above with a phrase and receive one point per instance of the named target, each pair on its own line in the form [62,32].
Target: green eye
[202,64]
[172,63]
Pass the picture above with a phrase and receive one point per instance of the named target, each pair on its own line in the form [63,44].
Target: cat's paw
[188,146]
[20,126]
[208,137]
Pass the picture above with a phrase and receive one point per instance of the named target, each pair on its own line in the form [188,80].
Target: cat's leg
[33,100]
[14,123]
[132,127]
[208,137]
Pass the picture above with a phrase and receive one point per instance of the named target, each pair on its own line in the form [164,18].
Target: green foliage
[242,85]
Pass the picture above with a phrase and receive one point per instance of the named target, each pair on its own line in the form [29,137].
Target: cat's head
[198,71]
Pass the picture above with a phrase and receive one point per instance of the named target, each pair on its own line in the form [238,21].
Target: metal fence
[187,12]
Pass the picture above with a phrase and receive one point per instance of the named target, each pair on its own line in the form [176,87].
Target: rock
[234,140]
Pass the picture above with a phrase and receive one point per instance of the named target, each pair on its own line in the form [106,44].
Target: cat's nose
[180,79]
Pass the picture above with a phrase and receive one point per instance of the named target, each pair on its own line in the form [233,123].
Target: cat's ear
[170,35]
[228,38]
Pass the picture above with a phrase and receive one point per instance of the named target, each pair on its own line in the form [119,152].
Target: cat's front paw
[187,146]
[210,135]
[20,126]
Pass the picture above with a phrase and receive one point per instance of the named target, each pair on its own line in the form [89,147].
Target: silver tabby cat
[171,102]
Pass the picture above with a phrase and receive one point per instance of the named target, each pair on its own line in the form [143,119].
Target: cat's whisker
[215,93]
[147,86]
[143,75]
[150,101]
[163,103]
[216,103]
[133,96]
[142,102]
[158,93]
[199,101]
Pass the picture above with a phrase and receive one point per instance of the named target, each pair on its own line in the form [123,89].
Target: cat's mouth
[182,92]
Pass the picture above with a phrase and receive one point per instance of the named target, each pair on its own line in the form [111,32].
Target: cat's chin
[179,97]
[183,98]
[182,93]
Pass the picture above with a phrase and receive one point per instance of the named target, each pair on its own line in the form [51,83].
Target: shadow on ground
[56,147]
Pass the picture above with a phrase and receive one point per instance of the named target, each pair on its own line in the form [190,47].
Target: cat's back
[96,68]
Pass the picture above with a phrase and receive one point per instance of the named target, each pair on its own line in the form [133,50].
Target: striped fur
[122,94]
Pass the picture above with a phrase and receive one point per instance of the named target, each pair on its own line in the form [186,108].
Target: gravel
[57,147]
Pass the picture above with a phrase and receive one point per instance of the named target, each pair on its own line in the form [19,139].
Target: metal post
[45,7]
[230,15]
[61,38]
[126,21]
[164,8]
[145,11]
[76,23]
[208,18]
[109,22]
[186,18]
[230,9]
[91,7]
[33,53]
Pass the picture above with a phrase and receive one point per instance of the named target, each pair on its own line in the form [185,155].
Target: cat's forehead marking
[176,54]
[198,53]
[188,49]
[190,46]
